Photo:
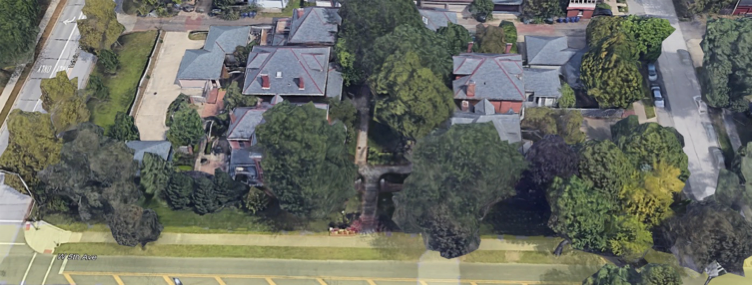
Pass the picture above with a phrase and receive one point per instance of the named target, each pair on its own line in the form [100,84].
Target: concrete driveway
[681,84]
[150,118]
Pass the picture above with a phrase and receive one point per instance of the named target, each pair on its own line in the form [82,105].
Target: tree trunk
[560,247]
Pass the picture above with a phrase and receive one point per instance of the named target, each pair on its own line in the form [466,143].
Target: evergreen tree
[228,190]
[155,174]
[204,197]
[179,190]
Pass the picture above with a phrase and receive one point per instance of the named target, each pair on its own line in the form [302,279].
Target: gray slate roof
[571,70]
[547,50]
[13,205]
[496,76]
[543,82]
[507,125]
[161,148]
[206,63]
[309,63]
[334,84]
[313,25]
[437,18]
[246,121]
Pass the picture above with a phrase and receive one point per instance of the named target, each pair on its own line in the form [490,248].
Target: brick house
[582,8]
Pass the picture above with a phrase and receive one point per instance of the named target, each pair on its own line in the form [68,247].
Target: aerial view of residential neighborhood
[375,142]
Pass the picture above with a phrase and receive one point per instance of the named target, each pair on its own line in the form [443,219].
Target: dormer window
[425,20]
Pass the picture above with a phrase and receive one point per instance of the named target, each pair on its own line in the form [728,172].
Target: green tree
[155,174]
[651,143]
[564,123]
[362,23]
[241,52]
[228,190]
[132,225]
[649,34]
[255,201]
[178,191]
[18,35]
[124,128]
[95,172]
[611,274]
[542,8]
[413,100]
[624,127]
[631,238]
[551,157]
[580,213]
[601,28]
[109,60]
[305,163]
[186,129]
[457,38]
[447,195]
[710,6]
[57,89]
[611,74]
[726,75]
[482,8]
[567,99]
[97,89]
[100,30]
[659,274]
[605,165]
[345,112]
[234,98]
[490,39]
[649,195]
[204,197]
[709,232]
[430,48]
[70,112]
[32,145]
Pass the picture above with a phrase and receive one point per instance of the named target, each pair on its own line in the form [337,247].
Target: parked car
[177,281]
[702,108]
[657,96]
[188,8]
[602,12]
[652,72]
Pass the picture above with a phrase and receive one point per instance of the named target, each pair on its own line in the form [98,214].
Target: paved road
[681,86]
[58,53]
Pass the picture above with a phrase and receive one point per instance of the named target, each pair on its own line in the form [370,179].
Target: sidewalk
[47,237]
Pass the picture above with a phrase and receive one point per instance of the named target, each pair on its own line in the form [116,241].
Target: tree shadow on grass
[581,266]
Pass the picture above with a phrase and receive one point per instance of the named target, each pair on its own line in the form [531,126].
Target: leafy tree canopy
[580,213]
[726,75]
[132,225]
[481,7]
[234,98]
[564,123]
[457,38]
[124,128]
[414,101]
[179,190]
[450,193]
[610,72]
[18,35]
[204,197]
[155,174]
[490,39]
[551,157]
[57,89]
[645,33]
[305,164]
[32,145]
[241,52]
[186,128]
[651,143]
[70,112]
[228,190]
[362,23]
[109,60]
[430,48]
[542,8]
[651,274]
[100,30]
[567,99]
[649,195]
[605,165]
[95,172]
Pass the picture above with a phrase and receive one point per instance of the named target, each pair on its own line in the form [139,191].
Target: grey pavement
[681,85]
[57,55]
[192,21]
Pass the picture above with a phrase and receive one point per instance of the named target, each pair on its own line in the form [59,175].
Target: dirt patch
[598,129]
[512,256]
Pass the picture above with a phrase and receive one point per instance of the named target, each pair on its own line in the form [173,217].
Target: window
[425,20]
[579,14]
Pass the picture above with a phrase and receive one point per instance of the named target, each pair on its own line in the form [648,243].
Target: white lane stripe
[11,243]
[23,281]
[62,268]
[48,269]
[73,31]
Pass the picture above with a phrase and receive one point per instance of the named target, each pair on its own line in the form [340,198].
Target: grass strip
[322,253]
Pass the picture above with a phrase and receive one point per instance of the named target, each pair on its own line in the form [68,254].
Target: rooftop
[553,51]
[160,148]
[287,71]
[206,63]
[13,205]
[506,125]
[496,76]
[246,119]
[437,18]
[313,25]
[543,82]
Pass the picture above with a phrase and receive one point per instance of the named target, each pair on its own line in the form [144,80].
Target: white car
[657,97]
[652,72]
[701,106]
[177,281]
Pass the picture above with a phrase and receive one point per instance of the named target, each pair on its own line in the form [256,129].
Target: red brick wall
[586,14]
[502,107]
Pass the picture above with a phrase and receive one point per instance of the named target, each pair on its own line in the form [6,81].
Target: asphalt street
[680,86]
[57,55]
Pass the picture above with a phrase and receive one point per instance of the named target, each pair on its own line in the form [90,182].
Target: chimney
[300,13]
[301,83]
[265,82]
[509,48]
[470,89]
[465,106]
[258,102]
[469,47]
[233,118]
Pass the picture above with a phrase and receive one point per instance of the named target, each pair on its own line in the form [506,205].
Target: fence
[141,88]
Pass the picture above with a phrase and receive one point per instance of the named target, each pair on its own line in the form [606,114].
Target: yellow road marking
[269,278]
[423,282]
[118,280]
[168,280]
[219,280]
[321,281]
[473,283]
[69,279]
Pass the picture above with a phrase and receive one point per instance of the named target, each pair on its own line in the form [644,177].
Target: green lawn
[649,108]
[224,221]
[134,54]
